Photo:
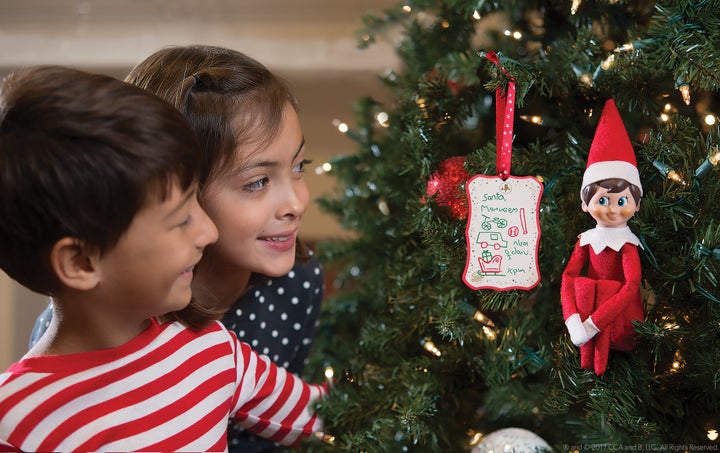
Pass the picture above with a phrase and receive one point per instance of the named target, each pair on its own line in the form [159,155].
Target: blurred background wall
[311,43]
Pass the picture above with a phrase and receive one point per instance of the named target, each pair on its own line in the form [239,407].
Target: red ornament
[447,183]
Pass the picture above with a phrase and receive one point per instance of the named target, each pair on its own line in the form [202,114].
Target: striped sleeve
[271,402]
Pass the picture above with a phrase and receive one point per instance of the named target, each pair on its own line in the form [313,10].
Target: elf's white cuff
[576,329]
[590,328]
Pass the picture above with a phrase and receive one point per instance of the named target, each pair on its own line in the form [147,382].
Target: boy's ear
[584,206]
[75,264]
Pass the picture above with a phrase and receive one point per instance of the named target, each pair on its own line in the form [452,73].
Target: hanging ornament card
[503,232]
[503,228]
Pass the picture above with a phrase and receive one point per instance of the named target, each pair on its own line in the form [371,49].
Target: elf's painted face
[611,210]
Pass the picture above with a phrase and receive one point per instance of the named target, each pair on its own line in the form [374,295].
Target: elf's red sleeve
[577,261]
[627,299]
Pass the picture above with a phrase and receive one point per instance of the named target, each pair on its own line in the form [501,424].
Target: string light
[584,77]
[668,172]
[430,347]
[535,119]
[383,119]
[574,7]
[712,434]
[710,119]
[711,161]
[476,15]
[343,128]
[514,34]
[407,9]
[682,85]
[329,373]
[327,438]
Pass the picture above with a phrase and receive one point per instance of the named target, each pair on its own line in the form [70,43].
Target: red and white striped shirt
[169,389]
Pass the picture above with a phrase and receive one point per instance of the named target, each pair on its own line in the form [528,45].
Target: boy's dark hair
[613,185]
[228,97]
[80,155]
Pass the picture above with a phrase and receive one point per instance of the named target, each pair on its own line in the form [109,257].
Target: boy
[98,209]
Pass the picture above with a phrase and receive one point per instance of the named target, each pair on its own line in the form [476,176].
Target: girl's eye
[603,201]
[300,168]
[622,201]
[257,186]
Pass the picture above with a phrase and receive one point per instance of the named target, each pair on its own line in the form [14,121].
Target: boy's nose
[208,231]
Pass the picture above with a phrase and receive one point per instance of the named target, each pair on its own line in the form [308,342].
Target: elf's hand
[576,329]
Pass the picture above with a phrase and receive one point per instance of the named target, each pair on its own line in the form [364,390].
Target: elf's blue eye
[603,201]
[622,201]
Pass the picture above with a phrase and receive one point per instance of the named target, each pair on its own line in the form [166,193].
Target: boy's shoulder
[169,339]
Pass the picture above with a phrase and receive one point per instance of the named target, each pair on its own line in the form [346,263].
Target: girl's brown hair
[229,98]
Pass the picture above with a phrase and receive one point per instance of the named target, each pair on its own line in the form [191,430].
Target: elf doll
[600,290]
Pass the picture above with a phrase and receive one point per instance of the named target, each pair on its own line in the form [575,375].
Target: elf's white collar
[599,237]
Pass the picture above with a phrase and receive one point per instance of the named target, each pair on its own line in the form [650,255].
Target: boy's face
[611,210]
[150,269]
[258,205]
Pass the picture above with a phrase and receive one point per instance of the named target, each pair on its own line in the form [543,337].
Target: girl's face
[258,203]
[611,210]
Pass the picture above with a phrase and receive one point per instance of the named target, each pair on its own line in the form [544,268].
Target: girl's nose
[296,200]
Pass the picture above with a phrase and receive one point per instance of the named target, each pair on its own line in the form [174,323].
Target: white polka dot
[241,334]
[317,271]
[238,312]
[285,341]
[263,324]
[257,293]
[254,343]
[309,310]
[306,341]
[274,333]
[266,350]
[297,326]
[294,300]
[281,290]
[271,307]
[306,285]
[261,299]
[286,364]
[291,274]
[276,357]
[252,316]
[284,316]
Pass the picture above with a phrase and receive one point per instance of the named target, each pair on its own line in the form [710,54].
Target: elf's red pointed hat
[611,153]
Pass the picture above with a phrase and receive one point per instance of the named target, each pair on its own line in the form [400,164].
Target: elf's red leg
[602,350]
[586,355]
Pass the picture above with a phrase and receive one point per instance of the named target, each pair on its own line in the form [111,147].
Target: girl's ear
[75,265]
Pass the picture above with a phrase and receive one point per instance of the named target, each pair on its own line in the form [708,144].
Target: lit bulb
[685,92]
[476,15]
[430,347]
[664,117]
[481,318]
[715,158]
[574,7]
[535,119]
[608,62]
[712,434]
[407,9]
[329,372]
[382,119]
[489,332]
[710,119]
[625,47]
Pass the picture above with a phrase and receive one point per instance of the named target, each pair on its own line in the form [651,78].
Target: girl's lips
[281,242]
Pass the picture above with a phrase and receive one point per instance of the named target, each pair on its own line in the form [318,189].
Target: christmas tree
[424,362]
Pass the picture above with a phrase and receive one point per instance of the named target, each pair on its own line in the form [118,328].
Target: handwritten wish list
[503,232]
